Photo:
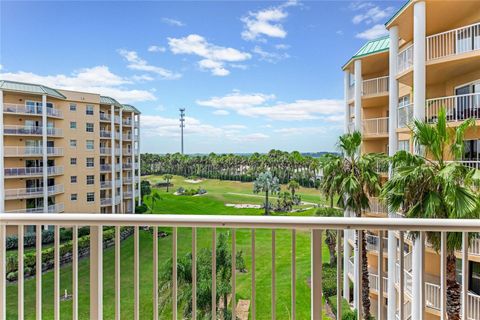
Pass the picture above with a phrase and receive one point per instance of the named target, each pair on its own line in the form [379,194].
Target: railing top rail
[451,225]
[376,119]
[455,96]
[453,30]
[376,79]
[405,49]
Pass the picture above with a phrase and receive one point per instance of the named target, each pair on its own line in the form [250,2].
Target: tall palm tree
[357,180]
[331,164]
[293,186]
[426,185]
[152,200]
[268,184]
[167,177]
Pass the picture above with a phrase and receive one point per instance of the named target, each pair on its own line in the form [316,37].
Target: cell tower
[182,125]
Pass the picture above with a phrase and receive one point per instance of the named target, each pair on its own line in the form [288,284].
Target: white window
[89,110]
[73,161]
[89,127]
[90,162]
[73,197]
[73,179]
[90,144]
[90,179]
[73,107]
[73,125]
[73,143]
[90,196]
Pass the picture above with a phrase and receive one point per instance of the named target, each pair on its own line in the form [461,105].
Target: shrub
[202,191]
[12,276]
[329,280]
[328,212]
[347,312]
[141,209]
[181,190]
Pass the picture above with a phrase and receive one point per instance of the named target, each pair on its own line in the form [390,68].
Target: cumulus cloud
[371,13]
[215,58]
[266,22]
[221,112]
[156,49]
[137,63]
[272,57]
[255,105]
[374,32]
[173,22]
[300,130]
[98,79]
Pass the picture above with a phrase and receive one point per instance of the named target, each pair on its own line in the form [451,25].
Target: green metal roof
[130,108]
[29,88]
[371,47]
[110,101]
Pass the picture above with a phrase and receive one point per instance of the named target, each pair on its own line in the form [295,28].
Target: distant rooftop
[371,47]
[29,88]
[130,108]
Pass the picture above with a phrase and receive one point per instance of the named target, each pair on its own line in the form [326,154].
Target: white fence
[405,115]
[405,59]
[375,86]
[375,127]
[453,42]
[457,108]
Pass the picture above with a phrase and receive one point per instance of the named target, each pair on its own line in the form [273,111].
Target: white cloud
[374,32]
[234,126]
[272,57]
[282,46]
[300,130]
[254,105]
[156,49]
[1,67]
[97,79]
[372,14]
[142,77]
[252,137]
[221,112]
[266,22]
[215,58]
[137,63]
[173,22]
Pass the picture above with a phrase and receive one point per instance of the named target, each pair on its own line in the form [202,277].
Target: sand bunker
[243,206]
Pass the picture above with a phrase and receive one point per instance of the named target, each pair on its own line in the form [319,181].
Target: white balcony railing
[375,127]
[105,151]
[351,92]
[375,86]
[12,108]
[457,108]
[127,136]
[405,59]
[55,208]
[105,134]
[105,184]
[105,167]
[11,151]
[106,201]
[127,151]
[405,115]
[307,226]
[127,122]
[35,192]
[453,42]
[105,117]
[377,207]
[30,131]
[32,171]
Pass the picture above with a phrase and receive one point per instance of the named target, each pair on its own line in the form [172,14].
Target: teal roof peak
[130,108]
[29,88]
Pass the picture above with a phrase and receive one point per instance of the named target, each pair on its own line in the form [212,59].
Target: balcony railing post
[339,273]
[443,276]
[294,274]
[316,274]
[465,276]
[3,282]
[96,272]
[380,276]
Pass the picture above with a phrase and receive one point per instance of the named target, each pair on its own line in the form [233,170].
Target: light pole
[182,125]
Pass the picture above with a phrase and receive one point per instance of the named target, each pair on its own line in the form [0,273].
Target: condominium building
[67,151]
[430,60]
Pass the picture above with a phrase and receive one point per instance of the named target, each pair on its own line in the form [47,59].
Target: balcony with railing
[127,136]
[13,151]
[105,134]
[127,180]
[453,42]
[105,168]
[105,151]
[127,151]
[127,122]
[458,107]
[376,127]
[34,192]
[54,208]
[107,184]
[14,130]
[404,115]
[22,109]
[255,227]
[351,92]
[106,201]
[32,171]
[375,87]
[105,117]
[377,208]
[405,59]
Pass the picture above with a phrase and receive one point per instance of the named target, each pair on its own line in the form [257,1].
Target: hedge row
[29,259]
[347,312]
[30,238]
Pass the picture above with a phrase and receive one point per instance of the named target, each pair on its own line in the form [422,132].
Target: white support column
[2,181]
[358,95]
[121,163]
[112,154]
[419,60]
[44,149]
[418,285]
[138,154]
[347,252]
[132,145]
[96,272]
[393,145]
[346,78]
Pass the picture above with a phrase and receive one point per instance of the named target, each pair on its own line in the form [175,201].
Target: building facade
[67,151]
[430,60]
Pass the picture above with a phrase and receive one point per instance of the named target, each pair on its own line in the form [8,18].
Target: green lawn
[212,203]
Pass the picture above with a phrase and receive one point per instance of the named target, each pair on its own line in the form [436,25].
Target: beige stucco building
[430,60]
[89,142]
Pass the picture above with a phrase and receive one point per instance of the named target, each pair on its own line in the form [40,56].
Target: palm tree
[293,186]
[357,180]
[267,183]
[433,187]
[167,177]
[152,200]
[331,164]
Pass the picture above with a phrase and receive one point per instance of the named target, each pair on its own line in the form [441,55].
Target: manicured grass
[208,204]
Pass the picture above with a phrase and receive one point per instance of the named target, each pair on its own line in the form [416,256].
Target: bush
[347,312]
[202,191]
[141,209]
[328,212]
[181,190]
[12,276]
[329,280]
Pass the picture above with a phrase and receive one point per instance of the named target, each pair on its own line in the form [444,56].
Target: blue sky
[252,75]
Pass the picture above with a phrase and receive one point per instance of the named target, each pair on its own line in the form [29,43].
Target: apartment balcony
[405,60]
[105,134]
[127,180]
[36,192]
[105,168]
[351,92]
[375,128]
[105,184]
[11,151]
[136,123]
[105,117]
[21,109]
[136,166]
[117,135]
[23,172]
[127,152]
[311,227]
[127,166]
[473,164]
[458,108]
[55,208]
[118,166]
[105,201]
[375,87]
[127,122]
[118,151]
[127,137]
[377,208]
[11,130]
[404,115]
[127,194]
[117,120]
[105,151]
